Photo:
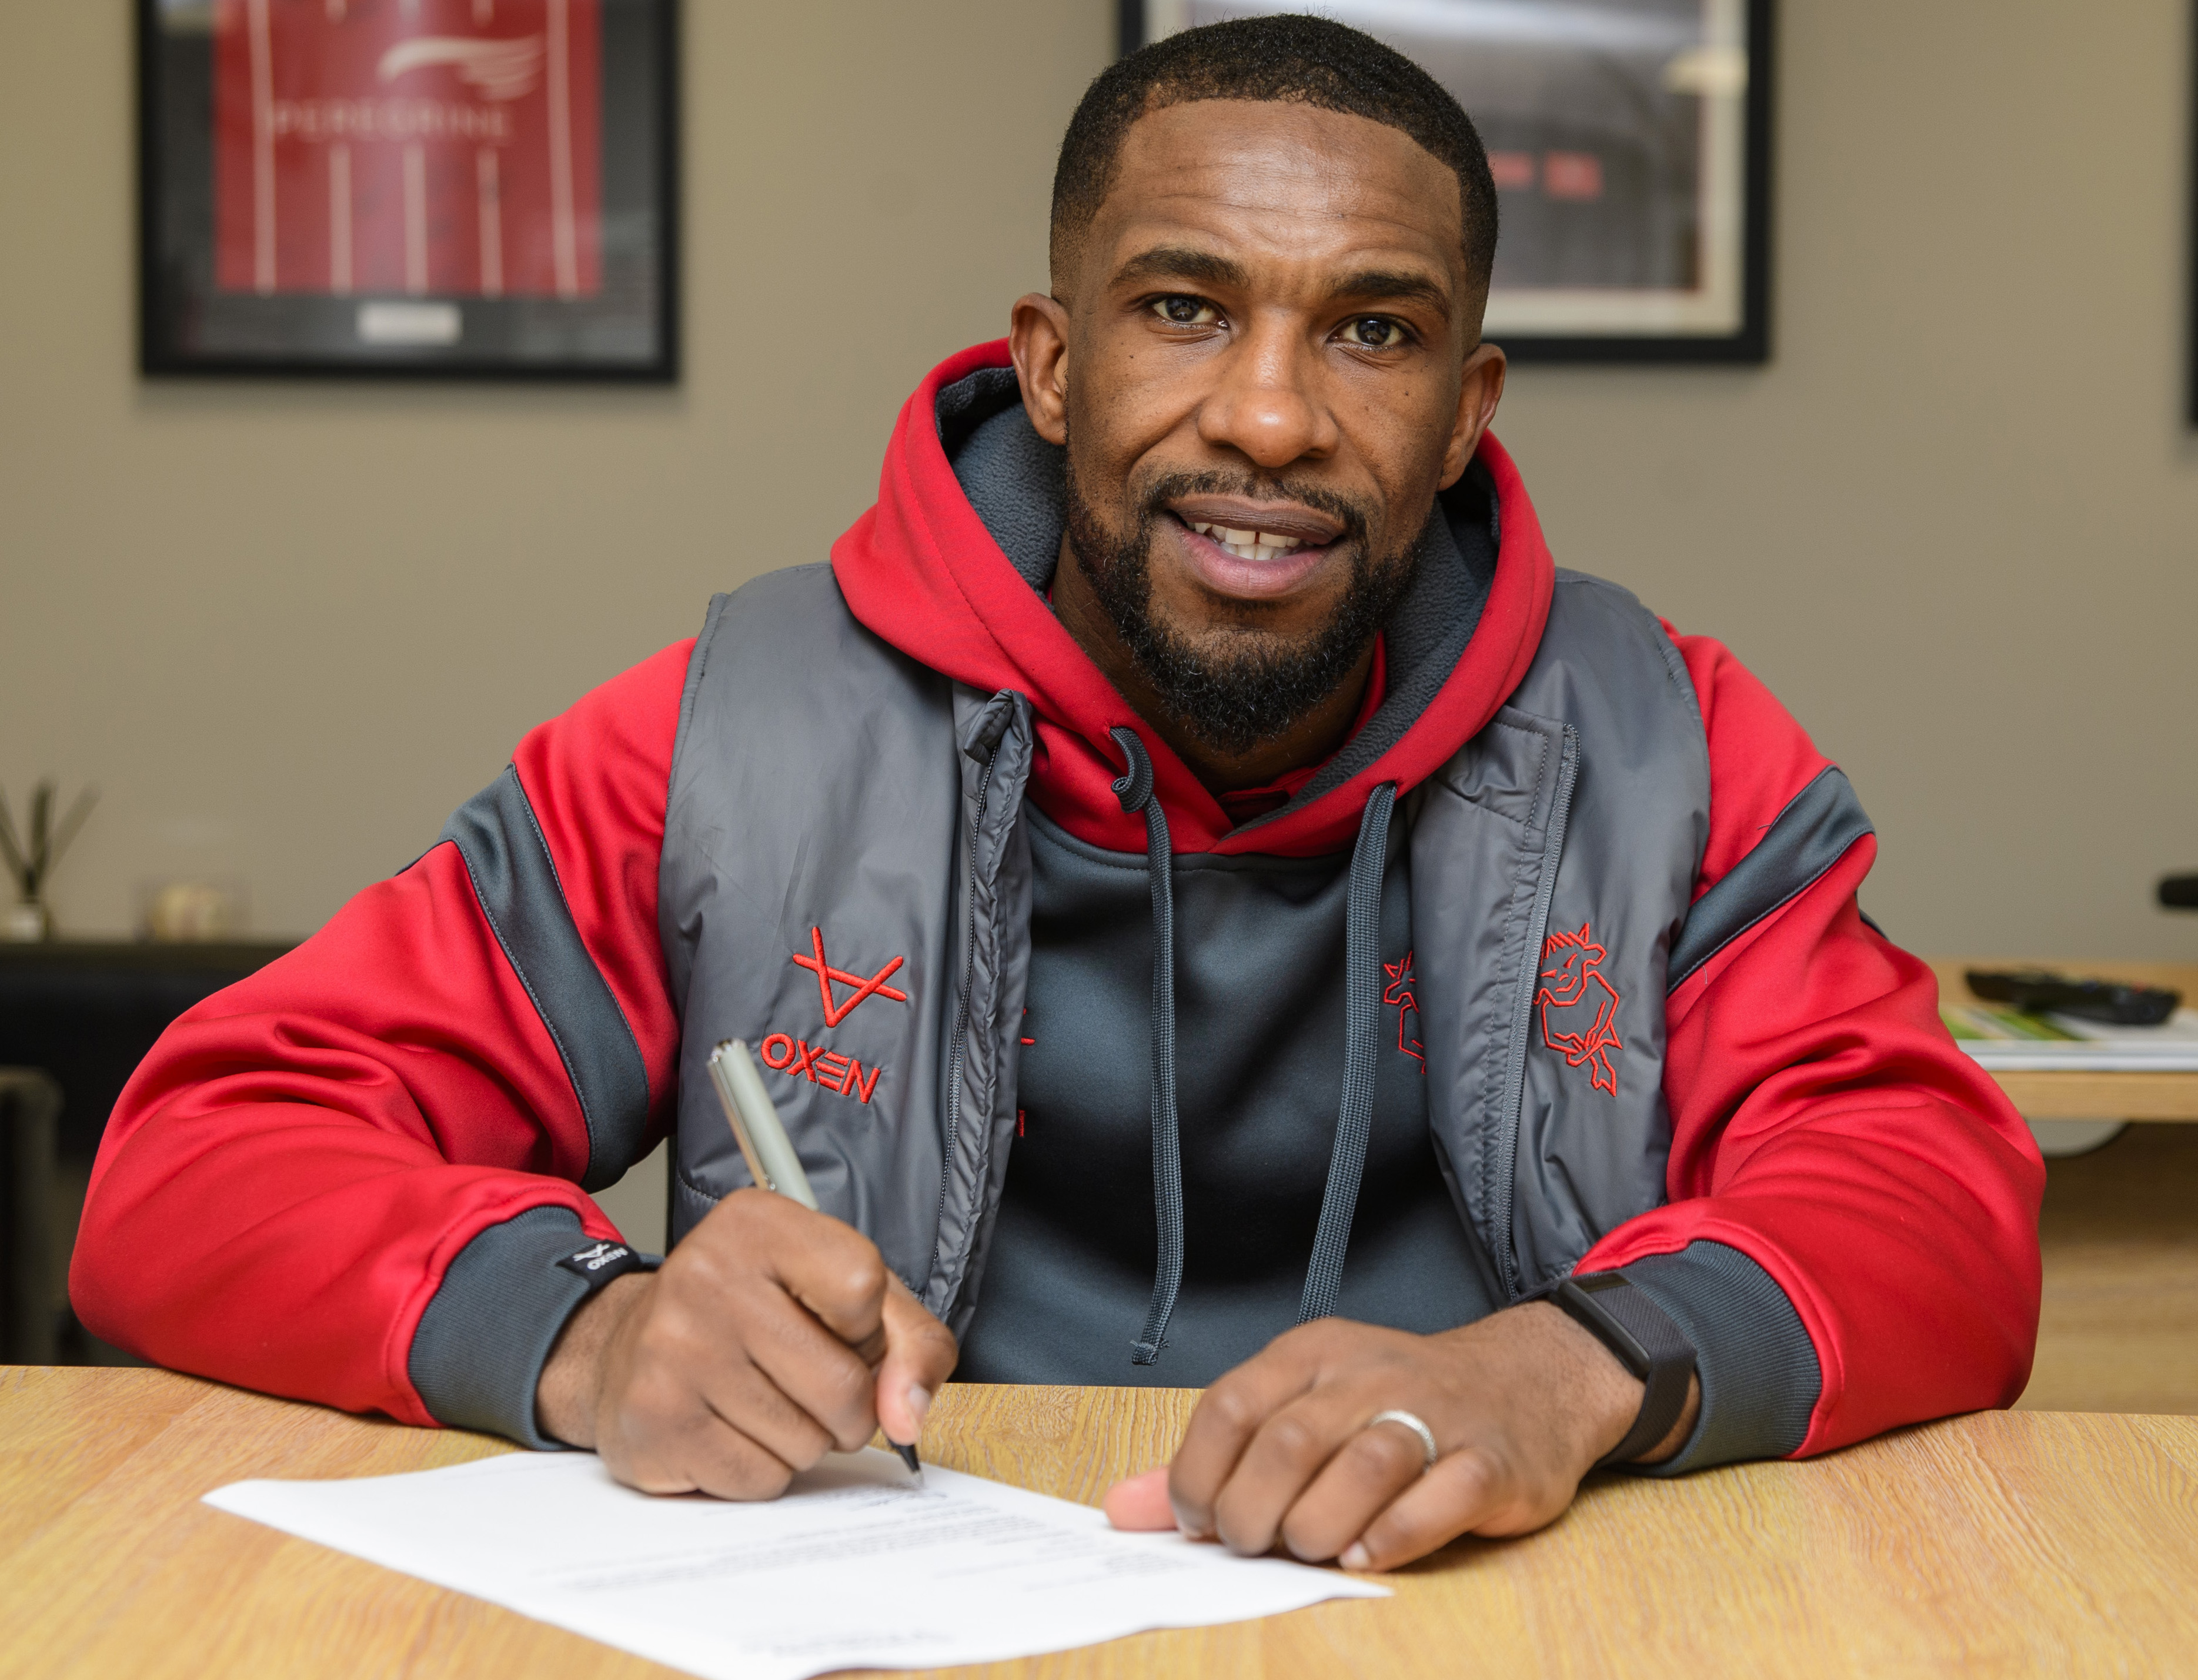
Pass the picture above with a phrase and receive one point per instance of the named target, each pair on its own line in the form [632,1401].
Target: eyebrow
[1182,262]
[1390,285]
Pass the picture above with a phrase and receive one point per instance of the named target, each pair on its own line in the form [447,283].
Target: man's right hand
[771,1336]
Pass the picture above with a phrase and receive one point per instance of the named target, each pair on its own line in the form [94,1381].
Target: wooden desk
[2088,1097]
[2002,1544]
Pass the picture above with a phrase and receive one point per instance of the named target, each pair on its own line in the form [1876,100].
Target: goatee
[1239,686]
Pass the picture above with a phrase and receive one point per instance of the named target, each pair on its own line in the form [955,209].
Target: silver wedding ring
[1418,1427]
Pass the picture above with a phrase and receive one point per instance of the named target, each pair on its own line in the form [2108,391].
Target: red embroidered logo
[799,1059]
[1401,997]
[1578,1005]
[827,975]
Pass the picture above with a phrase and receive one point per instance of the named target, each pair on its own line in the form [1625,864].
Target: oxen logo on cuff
[600,1262]
[1579,1006]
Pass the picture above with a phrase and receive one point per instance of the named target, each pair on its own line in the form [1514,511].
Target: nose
[1268,405]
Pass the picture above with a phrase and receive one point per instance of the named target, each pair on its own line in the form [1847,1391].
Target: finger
[920,1355]
[1140,1502]
[811,1368]
[1461,1493]
[1279,1463]
[830,1268]
[726,1462]
[1229,1414]
[746,1398]
[1367,1472]
[745,1285]
[665,1438]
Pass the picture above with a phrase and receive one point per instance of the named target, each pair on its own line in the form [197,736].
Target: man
[1215,907]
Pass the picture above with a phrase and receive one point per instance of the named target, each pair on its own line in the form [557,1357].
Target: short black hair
[1306,60]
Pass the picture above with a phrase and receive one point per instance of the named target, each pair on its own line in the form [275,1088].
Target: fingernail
[1357,1557]
[919,1404]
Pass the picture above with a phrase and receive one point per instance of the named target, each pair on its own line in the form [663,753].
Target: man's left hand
[1522,1404]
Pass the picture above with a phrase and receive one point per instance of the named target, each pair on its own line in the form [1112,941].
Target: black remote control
[2037,990]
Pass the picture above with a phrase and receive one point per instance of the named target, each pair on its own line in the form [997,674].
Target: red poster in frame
[444,147]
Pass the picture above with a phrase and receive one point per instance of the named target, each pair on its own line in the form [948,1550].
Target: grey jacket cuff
[1758,1370]
[478,1355]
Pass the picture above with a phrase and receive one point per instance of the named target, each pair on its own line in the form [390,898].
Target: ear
[1478,390]
[1037,339]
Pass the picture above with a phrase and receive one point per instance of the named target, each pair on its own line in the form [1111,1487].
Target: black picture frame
[1746,339]
[625,331]
[2190,264]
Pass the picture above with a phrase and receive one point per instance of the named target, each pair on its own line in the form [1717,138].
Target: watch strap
[1644,1339]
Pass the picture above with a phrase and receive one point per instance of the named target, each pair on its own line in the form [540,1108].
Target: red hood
[920,570]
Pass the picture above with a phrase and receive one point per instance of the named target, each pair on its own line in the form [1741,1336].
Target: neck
[1312,739]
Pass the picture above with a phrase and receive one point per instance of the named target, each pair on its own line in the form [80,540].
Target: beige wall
[287,628]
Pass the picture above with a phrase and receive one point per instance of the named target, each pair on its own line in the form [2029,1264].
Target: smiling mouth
[1250,545]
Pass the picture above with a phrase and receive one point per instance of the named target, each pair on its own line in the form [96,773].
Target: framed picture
[476,189]
[1631,144]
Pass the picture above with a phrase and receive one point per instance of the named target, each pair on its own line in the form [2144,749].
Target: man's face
[1263,381]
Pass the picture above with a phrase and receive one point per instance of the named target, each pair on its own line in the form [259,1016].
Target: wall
[1955,524]
[287,628]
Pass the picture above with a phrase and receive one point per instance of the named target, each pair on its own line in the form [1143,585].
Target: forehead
[1299,181]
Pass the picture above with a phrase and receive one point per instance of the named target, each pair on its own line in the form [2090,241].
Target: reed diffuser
[31,865]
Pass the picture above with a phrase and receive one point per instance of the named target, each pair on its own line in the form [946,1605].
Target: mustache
[1153,501]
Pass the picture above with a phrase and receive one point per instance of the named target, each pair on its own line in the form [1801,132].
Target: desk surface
[2000,1544]
[2088,1097]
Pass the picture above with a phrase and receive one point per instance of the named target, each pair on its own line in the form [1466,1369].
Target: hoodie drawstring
[1362,1011]
[1135,790]
[1362,1018]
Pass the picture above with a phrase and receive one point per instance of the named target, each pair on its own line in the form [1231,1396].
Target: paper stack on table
[2013,1041]
[856,1567]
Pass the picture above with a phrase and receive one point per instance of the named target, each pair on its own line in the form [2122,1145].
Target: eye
[1183,311]
[1374,332]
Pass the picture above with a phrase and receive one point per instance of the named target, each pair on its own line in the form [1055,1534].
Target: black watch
[1645,1340]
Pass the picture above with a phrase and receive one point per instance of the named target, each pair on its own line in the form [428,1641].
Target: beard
[1238,685]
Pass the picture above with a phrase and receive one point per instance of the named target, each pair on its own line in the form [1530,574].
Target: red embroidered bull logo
[1578,1006]
[1401,997]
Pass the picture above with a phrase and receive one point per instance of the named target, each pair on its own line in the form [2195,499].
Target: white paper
[2011,1042]
[856,1567]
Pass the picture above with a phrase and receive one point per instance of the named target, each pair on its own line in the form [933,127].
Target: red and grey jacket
[1658,1035]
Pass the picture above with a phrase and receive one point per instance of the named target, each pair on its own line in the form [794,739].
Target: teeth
[1248,544]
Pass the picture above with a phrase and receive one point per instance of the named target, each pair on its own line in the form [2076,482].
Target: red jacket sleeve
[288,1177]
[1826,1125]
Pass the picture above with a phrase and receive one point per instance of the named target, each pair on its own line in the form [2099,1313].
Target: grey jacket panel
[1481,851]
[1553,862]
[1593,1133]
[1813,833]
[821,800]
[807,740]
[516,881]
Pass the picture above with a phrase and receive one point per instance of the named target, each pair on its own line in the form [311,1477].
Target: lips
[1248,561]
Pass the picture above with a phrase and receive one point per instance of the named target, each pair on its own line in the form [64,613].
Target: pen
[767,1148]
